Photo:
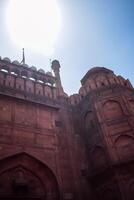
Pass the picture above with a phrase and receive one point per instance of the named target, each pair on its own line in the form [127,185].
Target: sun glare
[34,24]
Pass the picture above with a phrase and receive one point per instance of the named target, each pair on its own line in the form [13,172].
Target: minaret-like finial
[23,56]
[55,65]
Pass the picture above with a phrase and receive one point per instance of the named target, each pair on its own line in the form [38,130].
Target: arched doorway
[23,177]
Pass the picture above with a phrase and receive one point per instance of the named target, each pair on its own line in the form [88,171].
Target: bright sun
[34,24]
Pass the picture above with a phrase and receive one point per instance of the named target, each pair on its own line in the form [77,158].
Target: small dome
[55,62]
[25,65]
[33,68]
[41,71]
[16,62]
[98,69]
[7,59]
[49,73]
[55,65]
[95,70]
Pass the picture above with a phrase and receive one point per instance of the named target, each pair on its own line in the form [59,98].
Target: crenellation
[10,81]
[28,80]
[98,82]
[29,86]
[39,89]
[28,72]
[22,84]
[48,91]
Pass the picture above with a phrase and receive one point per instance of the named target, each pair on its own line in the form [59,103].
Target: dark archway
[24,177]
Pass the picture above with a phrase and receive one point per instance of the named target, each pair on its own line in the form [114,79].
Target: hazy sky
[93,33]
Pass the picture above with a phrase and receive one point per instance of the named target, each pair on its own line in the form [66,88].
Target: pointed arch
[24,169]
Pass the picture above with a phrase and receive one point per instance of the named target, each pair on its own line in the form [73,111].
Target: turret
[56,69]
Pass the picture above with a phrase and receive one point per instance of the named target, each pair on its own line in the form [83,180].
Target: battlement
[25,71]
[97,79]
[24,82]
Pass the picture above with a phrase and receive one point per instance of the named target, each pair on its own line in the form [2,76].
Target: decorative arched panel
[48,91]
[39,89]
[125,146]
[10,80]
[124,140]
[29,86]
[24,177]
[21,182]
[20,83]
[112,110]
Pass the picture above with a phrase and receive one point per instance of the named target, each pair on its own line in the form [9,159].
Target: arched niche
[29,86]
[112,110]
[24,177]
[124,140]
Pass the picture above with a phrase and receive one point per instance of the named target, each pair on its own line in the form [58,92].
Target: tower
[56,68]
[105,106]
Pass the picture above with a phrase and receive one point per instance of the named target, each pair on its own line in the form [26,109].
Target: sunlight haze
[34,24]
